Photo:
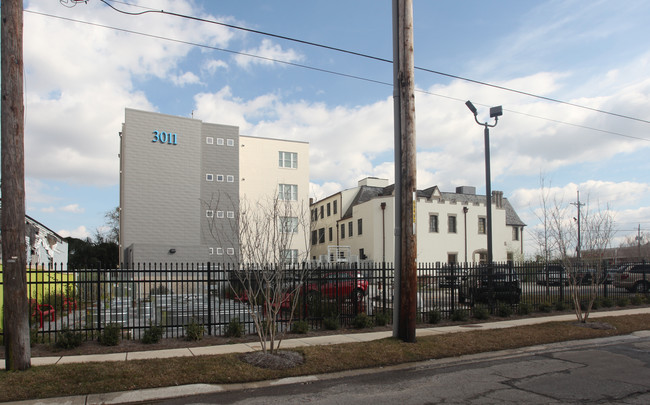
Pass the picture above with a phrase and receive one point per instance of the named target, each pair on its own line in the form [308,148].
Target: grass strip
[93,378]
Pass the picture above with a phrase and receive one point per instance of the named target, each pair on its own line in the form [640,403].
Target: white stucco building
[451,227]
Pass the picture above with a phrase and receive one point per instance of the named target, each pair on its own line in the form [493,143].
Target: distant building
[182,180]
[451,227]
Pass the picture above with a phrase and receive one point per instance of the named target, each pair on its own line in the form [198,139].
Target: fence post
[453,286]
[99,300]
[209,302]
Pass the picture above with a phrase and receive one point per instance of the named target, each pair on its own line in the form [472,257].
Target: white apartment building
[450,227]
[181,182]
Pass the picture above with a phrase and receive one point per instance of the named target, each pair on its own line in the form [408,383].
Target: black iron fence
[174,296]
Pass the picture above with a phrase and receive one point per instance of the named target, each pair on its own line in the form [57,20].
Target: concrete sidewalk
[171,392]
[313,341]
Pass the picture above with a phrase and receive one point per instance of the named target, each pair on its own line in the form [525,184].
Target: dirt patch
[278,361]
[595,325]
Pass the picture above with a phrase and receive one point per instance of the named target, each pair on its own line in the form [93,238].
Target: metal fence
[174,296]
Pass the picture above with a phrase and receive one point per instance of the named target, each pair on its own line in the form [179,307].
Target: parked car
[498,282]
[553,274]
[611,274]
[339,285]
[634,278]
[451,278]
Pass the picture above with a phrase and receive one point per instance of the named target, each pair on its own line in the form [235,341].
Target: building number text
[164,137]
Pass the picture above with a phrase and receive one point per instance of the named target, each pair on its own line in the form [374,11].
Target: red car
[339,285]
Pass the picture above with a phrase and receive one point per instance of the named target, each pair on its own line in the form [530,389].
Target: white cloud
[73,208]
[79,233]
[185,78]
[268,53]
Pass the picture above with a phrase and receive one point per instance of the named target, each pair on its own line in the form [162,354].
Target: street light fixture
[495,112]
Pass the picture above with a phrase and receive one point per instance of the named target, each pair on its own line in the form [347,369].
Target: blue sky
[79,77]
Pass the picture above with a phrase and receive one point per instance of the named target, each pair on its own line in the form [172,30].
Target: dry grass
[82,379]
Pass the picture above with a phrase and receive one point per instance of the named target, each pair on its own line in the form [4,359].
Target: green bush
[480,312]
[434,316]
[596,304]
[362,321]
[504,310]
[622,302]
[524,309]
[111,334]
[545,307]
[68,339]
[607,302]
[235,329]
[300,327]
[459,315]
[560,306]
[194,331]
[331,323]
[637,300]
[153,334]
[382,319]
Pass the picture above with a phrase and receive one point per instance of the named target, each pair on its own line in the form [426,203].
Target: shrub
[362,321]
[607,302]
[331,323]
[637,300]
[301,327]
[480,312]
[110,336]
[504,310]
[68,339]
[545,307]
[622,302]
[459,315]
[434,316]
[381,319]
[596,304]
[524,309]
[235,329]
[560,306]
[194,331]
[153,334]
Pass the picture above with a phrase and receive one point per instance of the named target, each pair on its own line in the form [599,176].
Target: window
[433,223]
[230,214]
[481,226]
[209,140]
[314,237]
[452,258]
[230,251]
[451,224]
[219,214]
[220,141]
[329,209]
[350,229]
[209,177]
[230,142]
[362,254]
[209,214]
[288,192]
[321,235]
[219,251]
[288,160]
[331,234]
[290,256]
[219,177]
[314,215]
[230,178]
[288,224]
[359,226]
[515,233]
[334,206]
[342,231]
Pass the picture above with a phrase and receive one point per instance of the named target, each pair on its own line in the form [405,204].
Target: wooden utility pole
[14,261]
[405,172]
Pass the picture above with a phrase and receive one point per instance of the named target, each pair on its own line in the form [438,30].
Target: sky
[86,62]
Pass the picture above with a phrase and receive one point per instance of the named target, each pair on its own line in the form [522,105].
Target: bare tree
[270,238]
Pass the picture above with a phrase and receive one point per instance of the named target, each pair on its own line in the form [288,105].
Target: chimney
[497,198]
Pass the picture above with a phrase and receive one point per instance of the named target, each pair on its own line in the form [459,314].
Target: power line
[363,55]
[313,68]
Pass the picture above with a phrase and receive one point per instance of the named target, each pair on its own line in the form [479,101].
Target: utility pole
[578,204]
[405,295]
[14,261]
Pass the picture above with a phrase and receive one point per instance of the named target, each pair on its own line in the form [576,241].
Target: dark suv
[487,283]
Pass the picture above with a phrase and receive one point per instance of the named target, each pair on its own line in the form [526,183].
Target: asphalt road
[611,370]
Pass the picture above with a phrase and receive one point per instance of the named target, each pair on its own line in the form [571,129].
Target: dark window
[334,206]
[321,212]
[314,237]
[350,229]
[481,226]
[359,226]
[321,235]
[433,223]
[328,209]
[330,234]
[342,231]
[451,224]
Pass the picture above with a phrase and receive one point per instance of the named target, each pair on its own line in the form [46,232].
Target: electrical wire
[363,55]
[313,68]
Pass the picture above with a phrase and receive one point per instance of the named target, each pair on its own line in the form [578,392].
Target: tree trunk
[16,311]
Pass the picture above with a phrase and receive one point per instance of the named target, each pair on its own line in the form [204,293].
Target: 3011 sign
[164,137]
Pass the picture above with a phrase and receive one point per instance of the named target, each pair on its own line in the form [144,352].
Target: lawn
[90,378]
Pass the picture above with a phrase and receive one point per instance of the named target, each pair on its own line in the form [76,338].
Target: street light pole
[495,112]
